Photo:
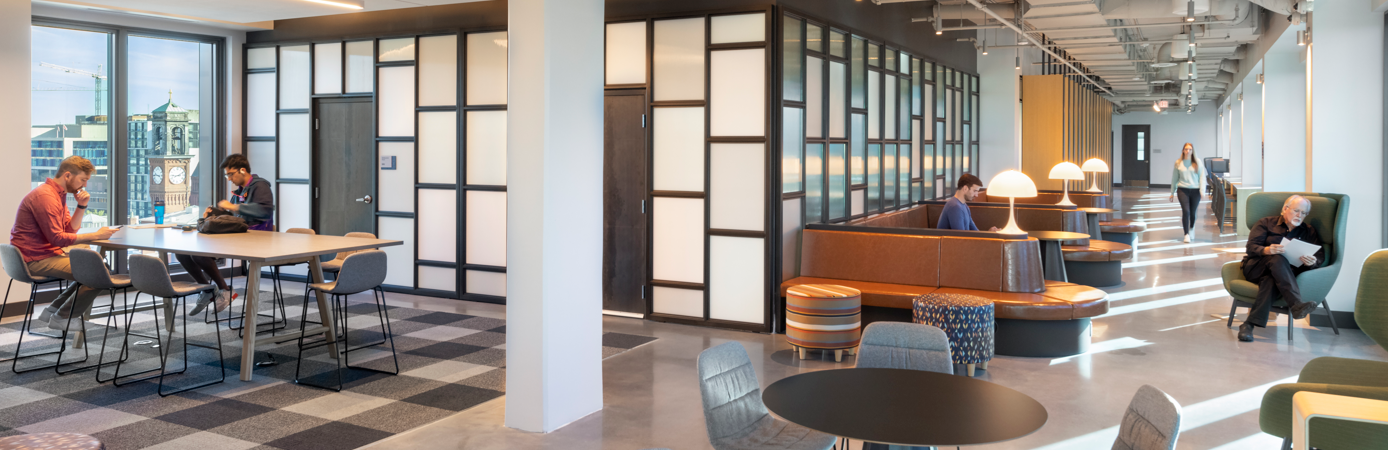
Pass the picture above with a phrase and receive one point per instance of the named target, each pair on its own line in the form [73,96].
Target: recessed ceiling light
[349,4]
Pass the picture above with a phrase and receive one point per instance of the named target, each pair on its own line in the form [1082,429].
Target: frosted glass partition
[874,105]
[485,283]
[361,67]
[438,71]
[260,104]
[814,97]
[486,68]
[439,222]
[399,258]
[295,147]
[678,239]
[792,148]
[836,100]
[858,150]
[737,88]
[678,144]
[295,202]
[294,74]
[916,148]
[262,157]
[838,180]
[396,187]
[857,208]
[889,108]
[790,238]
[396,49]
[486,228]
[678,61]
[738,28]
[737,186]
[679,302]
[626,53]
[395,116]
[814,182]
[260,58]
[327,68]
[737,285]
[486,147]
[438,146]
[438,278]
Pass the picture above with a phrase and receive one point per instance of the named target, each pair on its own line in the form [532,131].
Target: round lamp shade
[1095,165]
[1066,171]
[1011,183]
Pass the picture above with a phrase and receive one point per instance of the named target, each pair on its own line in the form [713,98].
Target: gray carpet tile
[448,363]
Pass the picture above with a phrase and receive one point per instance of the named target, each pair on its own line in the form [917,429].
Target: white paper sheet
[1296,249]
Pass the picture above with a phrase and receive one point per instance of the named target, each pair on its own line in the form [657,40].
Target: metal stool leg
[221,359]
[24,329]
[125,346]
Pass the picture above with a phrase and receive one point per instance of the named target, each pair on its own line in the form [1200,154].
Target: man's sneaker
[1300,311]
[57,323]
[203,299]
[223,301]
[47,313]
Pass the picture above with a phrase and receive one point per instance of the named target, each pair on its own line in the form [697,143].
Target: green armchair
[1341,376]
[1329,215]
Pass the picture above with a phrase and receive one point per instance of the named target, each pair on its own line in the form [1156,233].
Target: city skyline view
[157,66]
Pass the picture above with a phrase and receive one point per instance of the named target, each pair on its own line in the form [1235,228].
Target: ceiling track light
[1301,38]
[1190,11]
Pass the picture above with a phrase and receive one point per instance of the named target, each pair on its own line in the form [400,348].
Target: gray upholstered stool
[17,270]
[51,441]
[151,276]
[966,319]
[361,271]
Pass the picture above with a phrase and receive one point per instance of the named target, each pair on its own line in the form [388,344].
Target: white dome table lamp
[1012,184]
[1066,171]
[1095,166]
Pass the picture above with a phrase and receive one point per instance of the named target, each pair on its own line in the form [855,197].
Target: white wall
[14,116]
[1347,128]
[1000,109]
[1169,133]
[1284,157]
[1251,162]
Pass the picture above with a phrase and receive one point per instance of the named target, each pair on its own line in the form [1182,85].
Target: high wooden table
[1052,257]
[258,249]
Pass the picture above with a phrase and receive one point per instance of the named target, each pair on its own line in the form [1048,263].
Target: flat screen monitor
[1219,165]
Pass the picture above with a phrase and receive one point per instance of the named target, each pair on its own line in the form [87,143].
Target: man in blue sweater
[956,213]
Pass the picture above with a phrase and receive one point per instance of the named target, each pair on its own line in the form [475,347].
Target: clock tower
[170,165]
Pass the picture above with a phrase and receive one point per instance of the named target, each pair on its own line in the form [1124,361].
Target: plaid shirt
[43,226]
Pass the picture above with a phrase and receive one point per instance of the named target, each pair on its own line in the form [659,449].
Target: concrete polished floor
[1164,329]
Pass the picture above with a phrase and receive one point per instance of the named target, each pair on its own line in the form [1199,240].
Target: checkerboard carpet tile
[448,363]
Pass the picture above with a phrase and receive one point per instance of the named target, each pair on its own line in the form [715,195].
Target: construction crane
[98,77]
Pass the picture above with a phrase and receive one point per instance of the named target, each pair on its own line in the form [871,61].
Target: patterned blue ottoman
[966,319]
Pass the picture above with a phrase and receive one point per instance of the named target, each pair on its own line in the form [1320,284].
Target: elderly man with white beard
[1266,266]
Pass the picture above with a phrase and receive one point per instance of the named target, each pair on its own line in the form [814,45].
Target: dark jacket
[1272,230]
[257,203]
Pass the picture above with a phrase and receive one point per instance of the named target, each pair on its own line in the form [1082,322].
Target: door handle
[366,199]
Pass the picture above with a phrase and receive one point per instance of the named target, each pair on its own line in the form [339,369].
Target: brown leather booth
[1081,199]
[1122,231]
[892,266]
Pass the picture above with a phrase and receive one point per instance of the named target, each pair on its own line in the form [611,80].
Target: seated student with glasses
[254,201]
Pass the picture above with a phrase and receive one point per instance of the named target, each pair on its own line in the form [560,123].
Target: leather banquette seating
[1122,231]
[1081,199]
[892,266]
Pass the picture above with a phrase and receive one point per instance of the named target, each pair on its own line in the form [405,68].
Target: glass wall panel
[679,302]
[874,177]
[738,28]
[737,88]
[678,62]
[836,43]
[295,147]
[889,107]
[916,146]
[626,53]
[486,148]
[70,111]
[677,229]
[838,181]
[903,177]
[396,187]
[814,97]
[678,156]
[874,105]
[395,114]
[737,186]
[401,49]
[260,108]
[792,141]
[904,105]
[928,133]
[486,68]
[294,74]
[438,70]
[916,87]
[261,155]
[295,204]
[857,164]
[361,66]
[437,278]
[327,68]
[791,221]
[889,176]
[890,62]
[485,283]
[814,37]
[904,63]
[256,58]
[856,199]
[439,222]
[737,285]
[874,53]
[859,74]
[793,56]
[837,108]
[399,258]
[438,147]
[814,183]
[485,242]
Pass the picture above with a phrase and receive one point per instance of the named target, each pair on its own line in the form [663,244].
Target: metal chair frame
[164,359]
[339,305]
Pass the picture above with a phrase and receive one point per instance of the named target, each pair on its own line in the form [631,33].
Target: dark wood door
[1137,155]
[624,202]
[344,172]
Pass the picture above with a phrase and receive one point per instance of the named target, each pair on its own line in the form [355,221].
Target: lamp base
[1011,227]
[1095,186]
[1065,201]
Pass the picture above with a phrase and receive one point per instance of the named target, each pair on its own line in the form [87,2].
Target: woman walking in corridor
[1185,186]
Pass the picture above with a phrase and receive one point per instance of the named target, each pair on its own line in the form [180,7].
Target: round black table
[1092,214]
[1052,258]
[904,407]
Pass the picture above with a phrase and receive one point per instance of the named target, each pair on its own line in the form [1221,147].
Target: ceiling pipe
[1033,41]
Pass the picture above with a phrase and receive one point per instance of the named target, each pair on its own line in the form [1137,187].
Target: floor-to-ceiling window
[170,84]
[71,70]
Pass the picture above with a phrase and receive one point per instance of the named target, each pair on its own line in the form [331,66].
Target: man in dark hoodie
[254,201]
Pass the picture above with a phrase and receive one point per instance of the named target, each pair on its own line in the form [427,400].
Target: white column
[1000,108]
[1347,128]
[1284,164]
[14,117]
[1252,158]
[554,216]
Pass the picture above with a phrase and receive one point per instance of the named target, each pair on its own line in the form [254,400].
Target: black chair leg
[298,365]
[24,329]
[125,304]
[1331,314]
[221,359]
[1233,308]
[125,348]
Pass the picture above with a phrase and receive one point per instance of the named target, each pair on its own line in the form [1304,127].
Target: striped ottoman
[824,317]
[51,441]
[966,319]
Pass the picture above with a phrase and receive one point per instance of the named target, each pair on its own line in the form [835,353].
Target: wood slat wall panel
[1064,121]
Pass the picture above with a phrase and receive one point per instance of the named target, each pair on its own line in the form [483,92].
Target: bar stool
[17,270]
[89,269]
[150,276]
[362,271]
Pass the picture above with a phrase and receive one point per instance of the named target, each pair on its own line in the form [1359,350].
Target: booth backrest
[986,215]
[939,258]
[1079,198]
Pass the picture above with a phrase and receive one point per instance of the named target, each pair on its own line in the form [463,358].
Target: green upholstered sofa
[1329,215]
[1342,376]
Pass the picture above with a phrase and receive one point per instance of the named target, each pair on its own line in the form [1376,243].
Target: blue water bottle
[158,212]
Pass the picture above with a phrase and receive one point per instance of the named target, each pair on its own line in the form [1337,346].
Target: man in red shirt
[43,231]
